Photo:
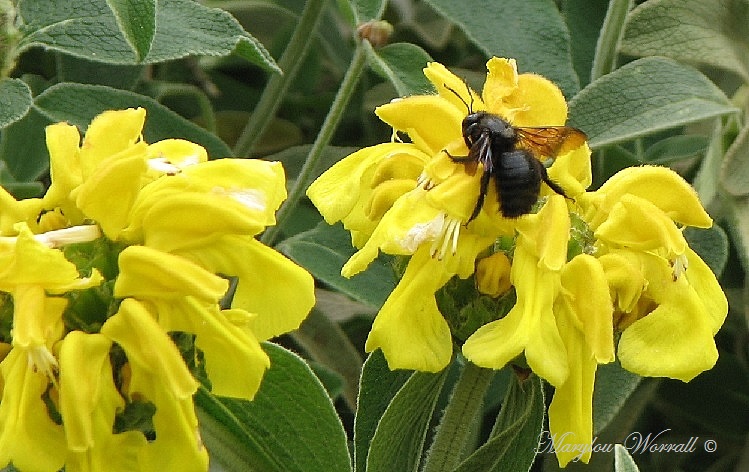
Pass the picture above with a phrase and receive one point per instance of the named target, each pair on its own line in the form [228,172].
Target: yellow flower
[160,223]
[412,199]
[668,303]
[159,375]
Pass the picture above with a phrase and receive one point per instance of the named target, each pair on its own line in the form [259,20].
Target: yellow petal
[675,340]
[107,196]
[234,361]
[147,273]
[409,328]
[149,350]
[529,325]
[429,120]
[177,152]
[625,277]
[547,232]
[82,376]
[637,224]
[586,292]
[410,223]
[37,318]
[572,171]
[178,445]
[662,187]
[281,301]
[63,141]
[110,133]
[571,408]
[493,274]
[707,288]
[28,436]
[501,82]
[338,191]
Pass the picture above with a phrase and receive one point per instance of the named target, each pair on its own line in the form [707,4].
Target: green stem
[9,37]
[460,416]
[358,62]
[278,84]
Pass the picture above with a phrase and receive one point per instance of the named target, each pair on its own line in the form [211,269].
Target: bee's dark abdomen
[518,183]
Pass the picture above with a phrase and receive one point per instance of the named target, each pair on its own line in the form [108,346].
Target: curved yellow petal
[706,285]
[281,301]
[83,374]
[109,133]
[571,408]
[501,82]
[107,196]
[637,224]
[28,437]
[572,171]
[675,340]
[63,141]
[338,191]
[429,120]
[150,351]
[409,328]
[147,274]
[586,293]
[661,186]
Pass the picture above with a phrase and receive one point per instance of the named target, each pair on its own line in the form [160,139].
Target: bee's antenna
[470,94]
[468,106]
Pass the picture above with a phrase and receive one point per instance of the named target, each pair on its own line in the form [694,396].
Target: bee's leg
[545,177]
[482,195]
[459,158]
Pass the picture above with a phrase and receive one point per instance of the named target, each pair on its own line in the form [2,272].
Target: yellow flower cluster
[634,279]
[155,223]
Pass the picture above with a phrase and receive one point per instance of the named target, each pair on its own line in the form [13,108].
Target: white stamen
[447,239]
[422,232]
[72,235]
[680,265]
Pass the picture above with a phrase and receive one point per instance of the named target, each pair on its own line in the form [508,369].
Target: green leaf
[122,33]
[379,385]
[84,71]
[327,343]
[584,19]
[402,64]
[290,425]
[78,104]
[734,171]
[642,97]
[15,100]
[366,10]
[714,32]
[607,47]
[23,148]
[514,440]
[324,249]
[613,385]
[137,21]
[623,462]
[676,148]
[711,245]
[534,33]
[399,439]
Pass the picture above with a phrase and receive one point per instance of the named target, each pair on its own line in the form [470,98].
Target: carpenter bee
[511,155]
